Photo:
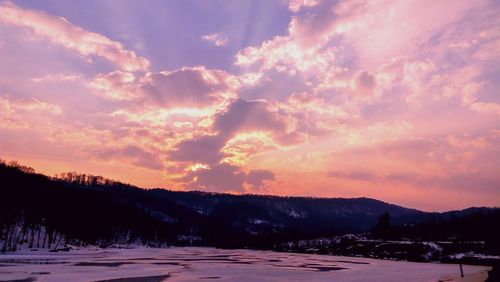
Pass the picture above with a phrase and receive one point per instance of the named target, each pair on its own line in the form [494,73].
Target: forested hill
[74,208]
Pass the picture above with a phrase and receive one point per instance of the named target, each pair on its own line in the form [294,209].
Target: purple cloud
[244,115]
[226,177]
[187,87]
[203,149]
[136,155]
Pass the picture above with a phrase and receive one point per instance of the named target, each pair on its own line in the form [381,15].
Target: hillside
[84,209]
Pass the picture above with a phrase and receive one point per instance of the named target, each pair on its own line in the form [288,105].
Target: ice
[191,264]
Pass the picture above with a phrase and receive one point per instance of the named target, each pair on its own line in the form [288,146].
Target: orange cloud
[12,108]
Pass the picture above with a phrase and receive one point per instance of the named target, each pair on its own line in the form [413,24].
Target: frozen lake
[208,264]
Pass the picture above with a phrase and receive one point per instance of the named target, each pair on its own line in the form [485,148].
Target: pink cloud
[407,25]
[359,29]
[194,87]
[59,77]
[387,99]
[216,39]
[436,162]
[212,150]
[296,5]
[487,108]
[28,104]
[240,116]
[116,85]
[61,32]
[364,83]
[187,87]
[359,175]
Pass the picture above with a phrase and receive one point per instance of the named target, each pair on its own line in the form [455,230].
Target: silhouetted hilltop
[85,209]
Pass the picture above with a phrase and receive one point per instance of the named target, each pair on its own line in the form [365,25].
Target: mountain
[85,209]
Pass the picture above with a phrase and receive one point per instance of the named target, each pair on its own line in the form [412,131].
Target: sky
[393,100]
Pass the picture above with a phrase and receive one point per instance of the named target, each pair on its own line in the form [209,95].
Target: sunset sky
[393,100]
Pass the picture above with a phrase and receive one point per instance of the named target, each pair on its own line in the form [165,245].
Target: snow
[190,264]
[189,238]
[295,214]
[433,246]
[482,256]
[258,221]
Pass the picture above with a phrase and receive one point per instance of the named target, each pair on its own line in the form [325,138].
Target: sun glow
[317,98]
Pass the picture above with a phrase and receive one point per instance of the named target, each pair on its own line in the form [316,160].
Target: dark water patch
[326,268]
[29,279]
[206,259]
[165,263]
[353,262]
[293,267]
[144,259]
[243,262]
[32,261]
[40,273]
[210,277]
[157,278]
[321,267]
[310,267]
[107,264]
[201,259]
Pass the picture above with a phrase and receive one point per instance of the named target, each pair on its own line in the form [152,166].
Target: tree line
[39,211]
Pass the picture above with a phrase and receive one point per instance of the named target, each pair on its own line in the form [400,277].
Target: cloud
[365,83]
[239,149]
[226,177]
[324,108]
[216,39]
[257,178]
[189,87]
[116,85]
[296,5]
[355,175]
[284,54]
[436,162]
[134,154]
[213,150]
[221,177]
[240,116]
[29,104]
[368,27]
[61,32]
[303,49]
[203,149]
[487,108]
[244,115]
[490,52]
[59,77]
[352,36]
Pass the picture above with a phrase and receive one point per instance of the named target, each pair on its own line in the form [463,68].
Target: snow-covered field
[191,264]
